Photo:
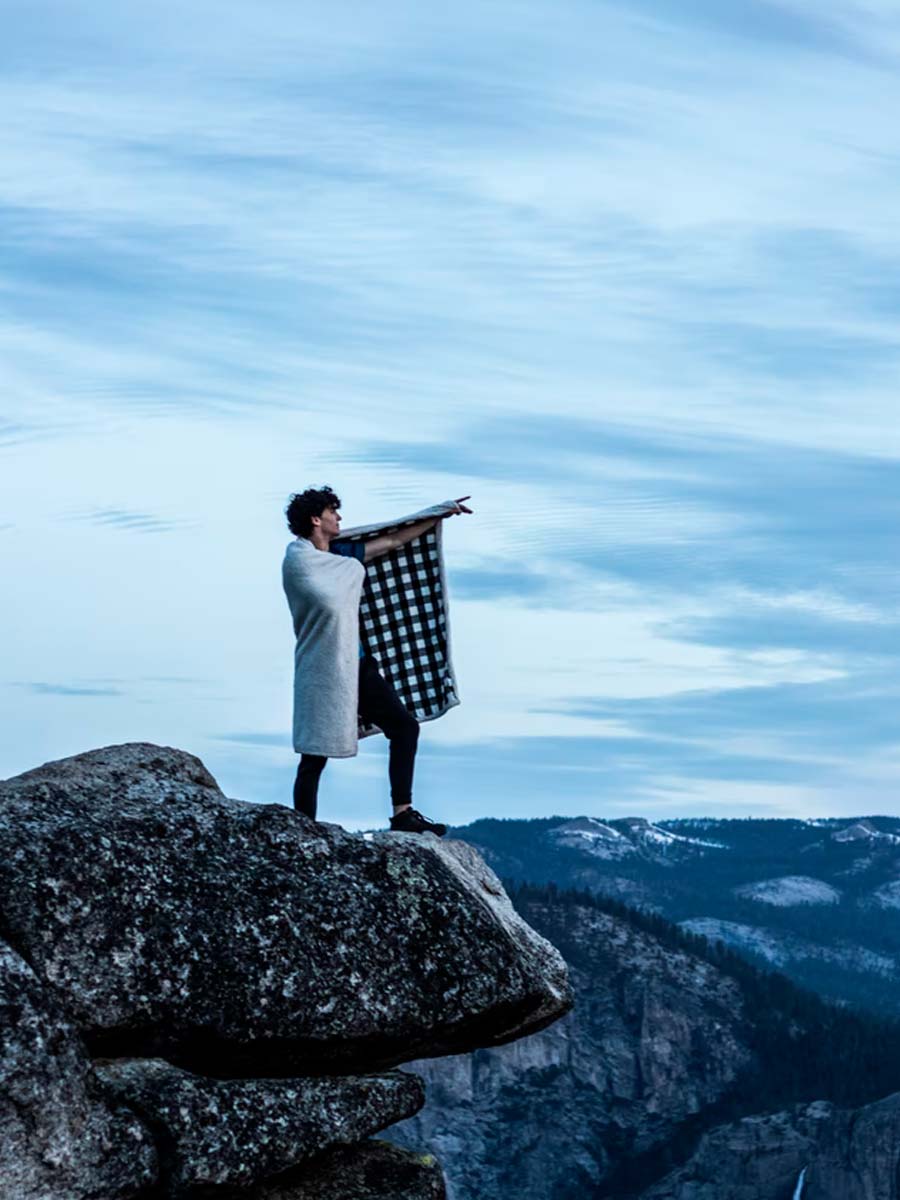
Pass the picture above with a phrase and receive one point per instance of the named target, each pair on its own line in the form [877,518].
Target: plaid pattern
[403,620]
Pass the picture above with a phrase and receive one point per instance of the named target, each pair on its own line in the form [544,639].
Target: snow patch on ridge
[742,937]
[864,830]
[780,949]
[589,827]
[593,837]
[888,895]
[624,836]
[641,828]
[790,890]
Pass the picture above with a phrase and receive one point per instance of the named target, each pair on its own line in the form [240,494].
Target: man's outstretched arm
[391,541]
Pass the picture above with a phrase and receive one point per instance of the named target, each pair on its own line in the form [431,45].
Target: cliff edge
[199,993]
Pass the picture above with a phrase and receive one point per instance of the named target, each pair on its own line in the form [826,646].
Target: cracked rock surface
[214,1132]
[373,1171]
[58,1134]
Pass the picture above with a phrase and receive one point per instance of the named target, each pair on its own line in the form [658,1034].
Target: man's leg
[306,785]
[380,705]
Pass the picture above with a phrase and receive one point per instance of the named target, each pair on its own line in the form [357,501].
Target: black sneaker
[411,821]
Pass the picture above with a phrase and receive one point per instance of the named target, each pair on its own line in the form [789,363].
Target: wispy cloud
[177,680]
[255,739]
[66,689]
[136,522]
[795,26]
[674,511]
[12,432]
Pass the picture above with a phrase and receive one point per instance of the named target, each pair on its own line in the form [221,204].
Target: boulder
[59,1137]
[236,1132]
[240,939]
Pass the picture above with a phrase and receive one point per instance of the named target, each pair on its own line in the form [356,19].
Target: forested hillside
[671,1036]
[818,900]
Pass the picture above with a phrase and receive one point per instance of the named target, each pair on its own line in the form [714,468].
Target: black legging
[379,705]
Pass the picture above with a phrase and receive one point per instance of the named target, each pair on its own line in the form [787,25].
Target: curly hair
[302,506]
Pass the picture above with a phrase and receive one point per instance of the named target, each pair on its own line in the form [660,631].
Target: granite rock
[858,1155]
[59,1136]
[213,1132]
[243,939]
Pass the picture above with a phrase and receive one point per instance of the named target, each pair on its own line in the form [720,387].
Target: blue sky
[628,274]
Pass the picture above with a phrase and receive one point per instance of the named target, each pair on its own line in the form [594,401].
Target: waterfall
[798,1190]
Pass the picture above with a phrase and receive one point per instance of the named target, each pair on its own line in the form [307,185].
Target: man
[336,682]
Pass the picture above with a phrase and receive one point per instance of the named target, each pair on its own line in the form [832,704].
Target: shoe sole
[434,831]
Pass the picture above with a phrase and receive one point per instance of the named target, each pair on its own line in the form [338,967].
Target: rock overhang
[235,938]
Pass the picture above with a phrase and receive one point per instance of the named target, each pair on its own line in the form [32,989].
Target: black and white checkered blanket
[403,618]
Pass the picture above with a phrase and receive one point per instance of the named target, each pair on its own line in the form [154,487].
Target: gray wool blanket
[323,592]
[396,605]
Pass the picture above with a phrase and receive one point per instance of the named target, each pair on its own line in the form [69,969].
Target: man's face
[329,522]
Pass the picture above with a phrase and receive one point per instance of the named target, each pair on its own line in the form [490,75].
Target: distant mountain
[627,838]
[864,831]
[671,1041]
[819,899]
